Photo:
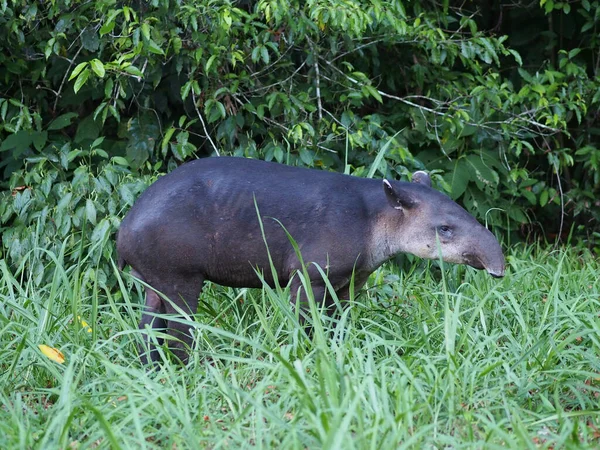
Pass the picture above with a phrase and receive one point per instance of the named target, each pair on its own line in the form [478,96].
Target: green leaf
[78,69]
[100,232]
[120,161]
[372,91]
[144,133]
[108,88]
[98,67]
[90,211]
[64,201]
[185,90]
[81,79]
[62,121]
[39,139]
[20,141]
[517,56]
[107,27]
[525,75]
[539,89]
[90,40]
[209,63]
[133,71]
[154,47]
[114,113]
[177,44]
[264,53]
[490,49]
[49,47]
[544,198]
[97,142]
[214,110]
[306,156]
[87,129]
[484,175]
[145,30]
[72,155]
[530,196]
[100,152]
[255,54]
[166,139]
[458,179]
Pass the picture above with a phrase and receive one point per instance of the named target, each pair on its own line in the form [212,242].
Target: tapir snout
[200,223]
[489,258]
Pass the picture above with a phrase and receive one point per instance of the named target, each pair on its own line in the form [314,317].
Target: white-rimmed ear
[421,177]
[397,198]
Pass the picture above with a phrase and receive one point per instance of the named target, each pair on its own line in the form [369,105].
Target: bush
[506,122]
[69,205]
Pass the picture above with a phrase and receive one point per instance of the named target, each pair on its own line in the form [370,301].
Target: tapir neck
[386,239]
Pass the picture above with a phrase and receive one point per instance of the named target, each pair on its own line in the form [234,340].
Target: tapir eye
[444,231]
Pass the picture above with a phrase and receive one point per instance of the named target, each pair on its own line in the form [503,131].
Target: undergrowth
[422,358]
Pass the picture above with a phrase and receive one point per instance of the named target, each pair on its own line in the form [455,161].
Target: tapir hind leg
[154,306]
[182,301]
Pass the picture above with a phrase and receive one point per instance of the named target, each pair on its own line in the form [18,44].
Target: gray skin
[200,223]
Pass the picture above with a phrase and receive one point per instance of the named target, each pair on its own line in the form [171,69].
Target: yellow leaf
[52,353]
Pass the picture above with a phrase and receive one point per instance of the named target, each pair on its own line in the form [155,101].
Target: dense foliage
[498,99]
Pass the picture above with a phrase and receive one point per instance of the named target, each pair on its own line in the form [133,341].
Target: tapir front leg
[299,297]
[343,293]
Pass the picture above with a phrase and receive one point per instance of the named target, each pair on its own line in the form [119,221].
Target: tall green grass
[419,359]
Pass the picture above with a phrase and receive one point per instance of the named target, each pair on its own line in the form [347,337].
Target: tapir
[201,222]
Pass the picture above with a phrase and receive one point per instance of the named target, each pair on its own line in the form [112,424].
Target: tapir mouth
[476,262]
[496,274]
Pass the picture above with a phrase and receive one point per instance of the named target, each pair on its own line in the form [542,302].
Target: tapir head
[433,225]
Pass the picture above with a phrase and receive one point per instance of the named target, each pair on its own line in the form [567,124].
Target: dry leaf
[52,353]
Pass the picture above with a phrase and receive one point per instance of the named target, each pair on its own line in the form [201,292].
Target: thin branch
[528,120]
[441,113]
[317,80]
[360,47]
[283,127]
[203,123]
[270,66]
[562,202]
[279,83]
[67,72]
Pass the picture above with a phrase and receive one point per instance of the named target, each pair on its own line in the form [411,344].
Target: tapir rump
[200,223]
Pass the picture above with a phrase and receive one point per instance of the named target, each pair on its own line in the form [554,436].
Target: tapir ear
[398,199]
[422,178]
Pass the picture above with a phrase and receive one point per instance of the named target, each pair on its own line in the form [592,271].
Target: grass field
[421,359]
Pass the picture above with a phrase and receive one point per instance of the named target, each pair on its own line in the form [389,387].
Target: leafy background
[498,100]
